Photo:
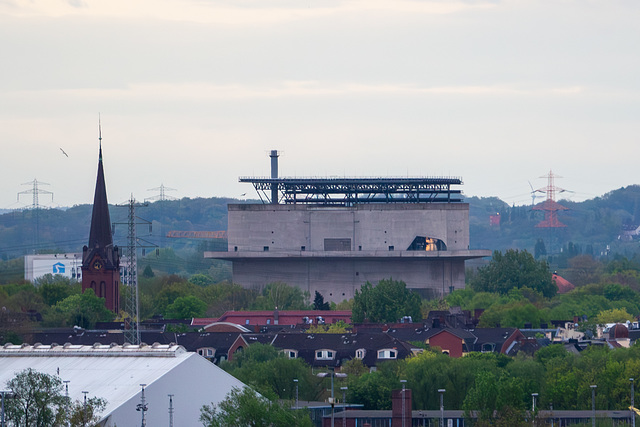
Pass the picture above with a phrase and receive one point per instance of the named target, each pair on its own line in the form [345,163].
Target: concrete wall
[335,250]
[337,279]
[368,227]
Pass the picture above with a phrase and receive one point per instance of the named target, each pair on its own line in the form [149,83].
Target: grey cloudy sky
[193,93]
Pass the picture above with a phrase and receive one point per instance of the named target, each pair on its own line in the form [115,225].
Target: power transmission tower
[162,196]
[132,330]
[35,191]
[550,208]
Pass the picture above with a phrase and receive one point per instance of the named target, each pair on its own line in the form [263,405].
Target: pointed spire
[100,138]
[100,232]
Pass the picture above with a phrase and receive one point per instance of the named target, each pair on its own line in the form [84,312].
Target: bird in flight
[63,152]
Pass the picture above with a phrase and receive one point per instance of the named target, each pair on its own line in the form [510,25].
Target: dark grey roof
[344,345]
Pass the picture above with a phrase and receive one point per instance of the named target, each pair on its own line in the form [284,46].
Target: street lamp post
[593,405]
[441,391]
[4,393]
[67,400]
[296,381]
[404,382]
[170,410]
[344,407]
[533,408]
[142,406]
[633,413]
[332,400]
[84,409]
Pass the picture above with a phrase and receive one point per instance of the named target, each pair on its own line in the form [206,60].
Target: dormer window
[291,354]
[325,354]
[387,353]
[360,353]
[206,351]
[488,348]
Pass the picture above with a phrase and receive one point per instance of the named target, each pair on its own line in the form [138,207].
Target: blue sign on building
[58,268]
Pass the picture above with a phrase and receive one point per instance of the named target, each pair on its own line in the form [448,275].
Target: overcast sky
[194,93]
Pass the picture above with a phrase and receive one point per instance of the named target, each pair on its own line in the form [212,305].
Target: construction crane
[197,234]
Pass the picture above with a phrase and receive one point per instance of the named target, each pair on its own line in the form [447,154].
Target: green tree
[247,408]
[514,269]
[82,415]
[615,315]
[225,296]
[539,249]
[186,308]
[82,310]
[148,272]
[37,401]
[388,301]
[272,373]
[201,279]
[319,303]
[54,292]
[49,279]
[514,314]
[281,296]
[339,327]
[496,397]
[373,389]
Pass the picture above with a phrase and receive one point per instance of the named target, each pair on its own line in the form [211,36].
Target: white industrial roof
[115,373]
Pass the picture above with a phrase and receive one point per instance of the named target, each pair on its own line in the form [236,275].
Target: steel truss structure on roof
[352,191]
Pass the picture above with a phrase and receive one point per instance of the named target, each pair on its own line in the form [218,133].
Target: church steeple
[100,259]
[100,232]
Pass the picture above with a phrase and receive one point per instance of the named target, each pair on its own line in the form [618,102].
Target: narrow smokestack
[274,175]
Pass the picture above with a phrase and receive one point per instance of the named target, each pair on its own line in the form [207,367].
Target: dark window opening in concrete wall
[337,244]
[422,243]
[303,248]
[235,249]
[359,248]
[266,248]
[391,248]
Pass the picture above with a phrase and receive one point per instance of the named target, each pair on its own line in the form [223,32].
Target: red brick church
[100,258]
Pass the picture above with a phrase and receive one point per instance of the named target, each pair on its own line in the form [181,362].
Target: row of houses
[220,340]
[454,332]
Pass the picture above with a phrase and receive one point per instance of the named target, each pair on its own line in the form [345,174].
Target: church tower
[100,259]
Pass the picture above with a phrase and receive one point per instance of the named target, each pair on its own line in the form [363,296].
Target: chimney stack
[274,175]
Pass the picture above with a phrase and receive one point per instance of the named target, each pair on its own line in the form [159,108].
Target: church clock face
[97,265]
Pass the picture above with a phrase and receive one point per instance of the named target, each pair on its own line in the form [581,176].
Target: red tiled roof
[285,317]
[563,284]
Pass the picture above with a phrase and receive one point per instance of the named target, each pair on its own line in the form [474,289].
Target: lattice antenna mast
[551,189]
[171,410]
[162,196]
[132,329]
[35,191]
[550,206]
